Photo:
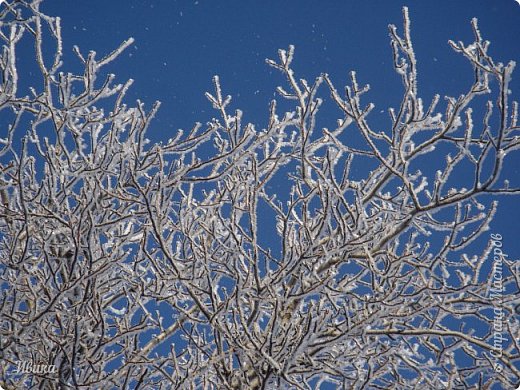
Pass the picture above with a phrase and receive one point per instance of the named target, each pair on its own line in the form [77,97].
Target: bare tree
[130,265]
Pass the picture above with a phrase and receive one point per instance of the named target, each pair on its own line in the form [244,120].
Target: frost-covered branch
[186,264]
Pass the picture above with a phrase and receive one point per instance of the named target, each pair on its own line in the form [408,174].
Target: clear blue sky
[180,45]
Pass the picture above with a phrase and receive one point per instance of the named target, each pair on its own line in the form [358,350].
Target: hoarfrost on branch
[130,264]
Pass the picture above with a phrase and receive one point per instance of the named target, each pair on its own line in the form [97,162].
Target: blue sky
[180,45]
